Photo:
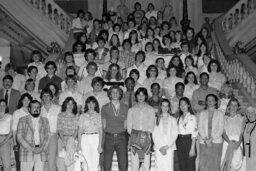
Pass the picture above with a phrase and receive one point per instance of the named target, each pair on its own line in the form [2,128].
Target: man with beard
[33,134]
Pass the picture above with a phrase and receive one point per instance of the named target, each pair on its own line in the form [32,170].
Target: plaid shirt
[25,136]
[67,123]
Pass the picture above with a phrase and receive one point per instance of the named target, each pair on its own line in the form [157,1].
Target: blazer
[25,136]
[217,126]
[13,99]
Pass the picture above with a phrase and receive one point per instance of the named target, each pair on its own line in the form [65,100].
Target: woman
[149,37]
[177,42]
[164,138]
[55,91]
[250,139]
[191,84]
[135,74]
[177,63]
[187,124]
[225,94]
[127,56]
[203,49]
[67,127]
[90,133]
[210,127]
[115,41]
[150,54]
[78,23]
[5,136]
[169,82]
[189,65]
[78,50]
[160,63]
[136,45]
[152,73]
[232,156]
[206,34]
[114,76]
[30,89]
[83,38]
[151,11]
[216,79]
[206,60]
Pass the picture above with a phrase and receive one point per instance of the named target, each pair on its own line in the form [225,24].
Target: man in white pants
[33,134]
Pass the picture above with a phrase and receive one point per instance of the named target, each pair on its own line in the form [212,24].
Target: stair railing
[238,68]
[53,12]
[236,14]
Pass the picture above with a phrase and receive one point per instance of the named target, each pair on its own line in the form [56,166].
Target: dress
[233,127]
[165,134]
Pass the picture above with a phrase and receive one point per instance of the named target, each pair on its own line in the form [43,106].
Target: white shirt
[41,71]
[79,59]
[216,80]
[169,85]
[189,89]
[188,125]
[17,114]
[5,123]
[52,116]
[19,82]
[85,85]
[82,73]
[142,70]
[35,123]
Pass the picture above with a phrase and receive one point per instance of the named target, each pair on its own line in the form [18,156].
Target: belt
[90,133]
[37,145]
[4,135]
[184,136]
[115,135]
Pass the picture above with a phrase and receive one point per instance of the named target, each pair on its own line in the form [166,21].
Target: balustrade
[52,11]
[236,72]
[237,14]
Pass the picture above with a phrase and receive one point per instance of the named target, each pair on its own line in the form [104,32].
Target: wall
[4,52]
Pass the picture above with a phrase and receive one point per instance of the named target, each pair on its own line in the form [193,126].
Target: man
[198,97]
[156,99]
[51,111]
[179,90]
[97,92]
[33,134]
[18,79]
[140,125]
[51,68]
[114,116]
[129,95]
[10,95]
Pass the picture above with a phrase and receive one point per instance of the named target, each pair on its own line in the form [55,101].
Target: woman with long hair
[186,142]
[90,133]
[113,76]
[164,138]
[67,127]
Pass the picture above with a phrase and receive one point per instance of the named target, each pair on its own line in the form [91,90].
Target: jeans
[119,145]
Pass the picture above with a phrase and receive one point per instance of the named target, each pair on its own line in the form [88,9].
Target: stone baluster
[253,88]
[237,71]
[43,7]
[56,16]
[245,76]
[248,83]
[241,73]
[246,10]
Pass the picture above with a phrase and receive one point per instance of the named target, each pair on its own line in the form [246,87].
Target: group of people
[133,84]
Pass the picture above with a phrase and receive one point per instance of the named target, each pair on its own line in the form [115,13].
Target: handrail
[56,14]
[237,13]
[238,68]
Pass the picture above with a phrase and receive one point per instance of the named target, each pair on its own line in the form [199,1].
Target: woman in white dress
[232,156]
[216,78]
[191,84]
[164,137]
